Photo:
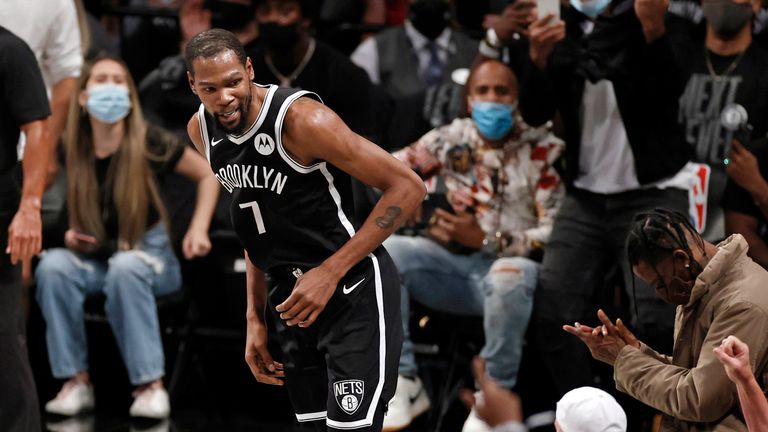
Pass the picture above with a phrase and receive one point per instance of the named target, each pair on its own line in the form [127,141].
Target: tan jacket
[730,297]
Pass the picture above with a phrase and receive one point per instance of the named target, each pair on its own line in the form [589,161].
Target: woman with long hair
[117,242]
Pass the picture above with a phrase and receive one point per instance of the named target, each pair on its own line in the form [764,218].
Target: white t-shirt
[366,55]
[50,28]
[606,161]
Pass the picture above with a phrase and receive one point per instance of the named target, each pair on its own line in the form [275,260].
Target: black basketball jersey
[283,212]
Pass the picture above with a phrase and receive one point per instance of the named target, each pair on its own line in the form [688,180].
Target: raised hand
[497,405]
[543,35]
[604,341]
[651,14]
[734,355]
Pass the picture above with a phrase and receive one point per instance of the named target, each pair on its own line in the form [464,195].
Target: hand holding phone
[80,241]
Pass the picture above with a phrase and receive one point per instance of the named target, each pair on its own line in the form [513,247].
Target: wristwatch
[491,46]
[492,38]
[492,244]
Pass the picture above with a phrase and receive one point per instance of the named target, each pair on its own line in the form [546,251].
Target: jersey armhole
[204,132]
[279,132]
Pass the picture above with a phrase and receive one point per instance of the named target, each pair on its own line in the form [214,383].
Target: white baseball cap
[587,409]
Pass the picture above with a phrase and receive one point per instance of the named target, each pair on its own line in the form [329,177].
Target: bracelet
[493,39]
[489,51]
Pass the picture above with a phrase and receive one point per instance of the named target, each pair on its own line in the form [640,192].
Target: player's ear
[191,81]
[249,68]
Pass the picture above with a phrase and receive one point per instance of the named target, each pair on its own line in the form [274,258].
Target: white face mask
[108,103]
[590,8]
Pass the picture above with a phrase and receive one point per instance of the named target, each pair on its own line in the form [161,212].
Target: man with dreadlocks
[719,291]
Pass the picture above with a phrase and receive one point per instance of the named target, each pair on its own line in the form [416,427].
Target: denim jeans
[500,290]
[130,280]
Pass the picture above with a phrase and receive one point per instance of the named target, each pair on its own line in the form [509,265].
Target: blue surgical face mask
[590,8]
[493,120]
[108,103]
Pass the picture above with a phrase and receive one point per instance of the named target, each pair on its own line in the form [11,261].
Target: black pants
[587,240]
[341,372]
[19,410]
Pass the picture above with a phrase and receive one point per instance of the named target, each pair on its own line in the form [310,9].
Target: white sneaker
[410,401]
[74,398]
[151,403]
[475,424]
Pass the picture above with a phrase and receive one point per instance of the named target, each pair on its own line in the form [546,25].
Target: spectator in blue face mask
[117,242]
[473,259]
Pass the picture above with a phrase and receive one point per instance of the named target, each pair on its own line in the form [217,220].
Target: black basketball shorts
[343,368]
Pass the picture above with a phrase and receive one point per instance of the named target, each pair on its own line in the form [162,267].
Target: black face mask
[429,17]
[228,15]
[678,291]
[279,38]
[726,17]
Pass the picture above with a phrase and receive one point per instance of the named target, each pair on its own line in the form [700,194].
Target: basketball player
[286,160]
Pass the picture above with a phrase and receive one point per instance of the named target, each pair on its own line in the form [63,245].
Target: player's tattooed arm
[390,215]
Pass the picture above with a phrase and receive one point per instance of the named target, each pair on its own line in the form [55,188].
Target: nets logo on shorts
[349,394]
[264,144]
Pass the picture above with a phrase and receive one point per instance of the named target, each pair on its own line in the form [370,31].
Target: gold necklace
[727,71]
[286,81]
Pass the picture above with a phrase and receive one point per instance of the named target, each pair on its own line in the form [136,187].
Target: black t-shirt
[344,87]
[164,151]
[716,82]
[738,79]
[23,101]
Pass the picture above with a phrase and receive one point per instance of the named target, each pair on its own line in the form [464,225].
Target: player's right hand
[263,368]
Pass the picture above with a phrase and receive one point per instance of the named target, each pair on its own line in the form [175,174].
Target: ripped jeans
[130,280]
[500,290]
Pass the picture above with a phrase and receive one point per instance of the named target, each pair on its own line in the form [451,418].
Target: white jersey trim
[259,119]
[337,199]
[368,420]
[202,124]
[279,135]
[308,417]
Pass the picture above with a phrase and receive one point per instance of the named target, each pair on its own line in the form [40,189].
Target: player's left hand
[25,236]
[195,244]
[309,297]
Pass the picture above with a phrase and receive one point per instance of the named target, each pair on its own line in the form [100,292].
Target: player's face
[223,85]
[492,82]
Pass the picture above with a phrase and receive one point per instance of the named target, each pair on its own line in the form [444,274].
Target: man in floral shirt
[502,194]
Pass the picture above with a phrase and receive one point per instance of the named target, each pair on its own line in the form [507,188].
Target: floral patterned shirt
[513,190]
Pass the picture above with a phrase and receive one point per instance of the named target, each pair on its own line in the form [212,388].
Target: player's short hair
[210,43]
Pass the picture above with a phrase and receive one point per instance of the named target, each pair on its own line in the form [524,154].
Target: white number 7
[256,215]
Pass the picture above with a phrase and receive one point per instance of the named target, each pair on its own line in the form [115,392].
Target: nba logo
[349,394]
